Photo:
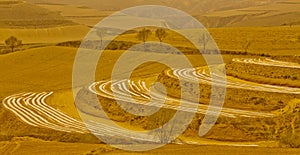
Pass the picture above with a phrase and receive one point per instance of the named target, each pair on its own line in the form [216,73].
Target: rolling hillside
[214,13]
[40,69]
[20,14]
[284,12]
[191,6]
[45,35]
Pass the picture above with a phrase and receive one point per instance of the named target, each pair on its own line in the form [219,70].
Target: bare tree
[166,127]
[100,35]
[246,46]
[161,34]
[143,35]
[163,132]
[204,39]
[13,42]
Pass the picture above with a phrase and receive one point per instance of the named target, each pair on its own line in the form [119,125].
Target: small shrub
[290,140]
[294,78]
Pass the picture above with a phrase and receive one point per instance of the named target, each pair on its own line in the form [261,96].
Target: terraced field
[268,62]
[32,109]
[264,70]
[120,91]
[205,77]
[253,94]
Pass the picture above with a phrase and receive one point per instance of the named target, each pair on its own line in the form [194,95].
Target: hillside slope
[190,6]
[41,69]
[213,13]
[19,14]
[45,35]
[284,12]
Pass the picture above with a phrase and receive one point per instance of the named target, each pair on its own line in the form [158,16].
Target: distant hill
[280,13]
[190,6]
[212,13]
[20,14]
[45,35]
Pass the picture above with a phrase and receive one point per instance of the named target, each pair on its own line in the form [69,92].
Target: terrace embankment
[266,71]
[261,99]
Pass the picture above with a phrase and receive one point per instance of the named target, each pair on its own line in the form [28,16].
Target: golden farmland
[39,113]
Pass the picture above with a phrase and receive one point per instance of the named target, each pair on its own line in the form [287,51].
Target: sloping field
[28,146]
[57,61]
[31,146]
[45,35]
[284,12]
[46,67]
[38,69]
[78,14]
[89,16]
[281,40]
[211,150]
[191,6]
[213,13]
[50,69]
[19,14]
[263,40]
[266,71]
